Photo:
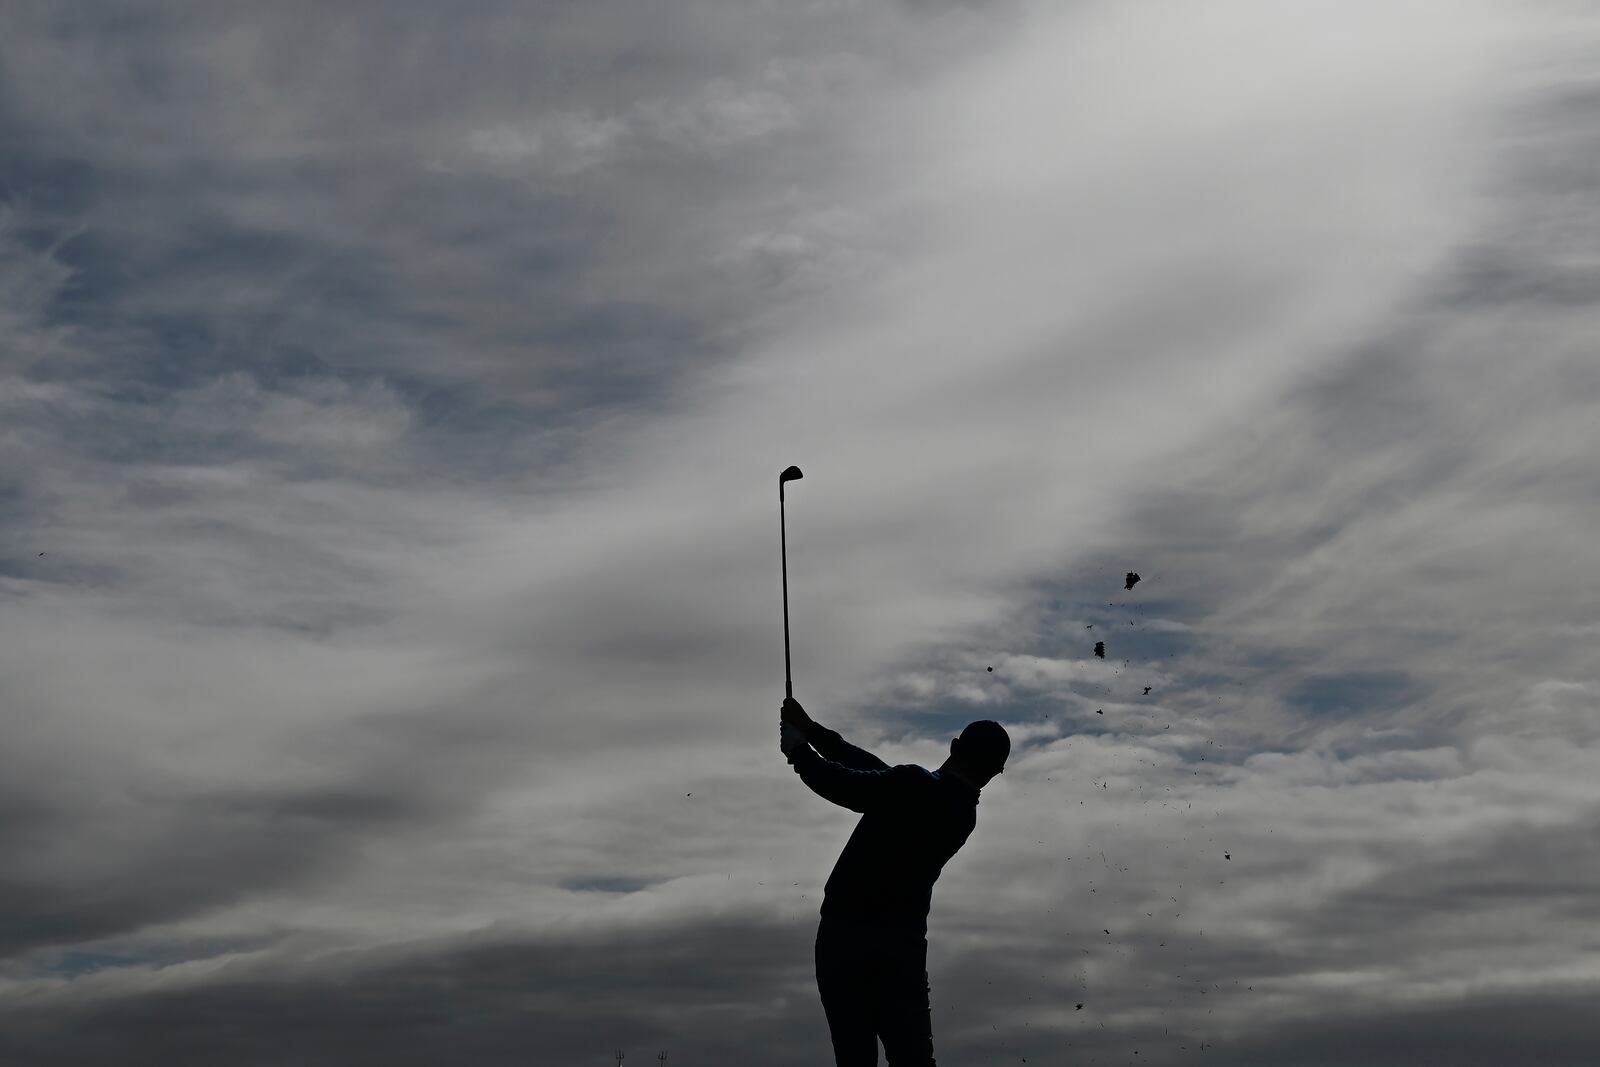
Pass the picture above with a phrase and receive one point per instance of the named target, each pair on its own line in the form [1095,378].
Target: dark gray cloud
[1548,1026]
[579,997]
[567,997]
[193,854]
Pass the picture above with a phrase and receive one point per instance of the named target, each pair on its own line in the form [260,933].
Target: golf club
[789,475]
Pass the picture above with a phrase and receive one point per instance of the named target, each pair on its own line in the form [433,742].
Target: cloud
[567,143]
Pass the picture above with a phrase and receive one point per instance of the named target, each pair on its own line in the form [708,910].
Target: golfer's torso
[885,874]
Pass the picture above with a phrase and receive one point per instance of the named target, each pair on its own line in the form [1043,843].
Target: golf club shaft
[783,542]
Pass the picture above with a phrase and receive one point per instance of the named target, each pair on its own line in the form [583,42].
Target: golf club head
[790,475]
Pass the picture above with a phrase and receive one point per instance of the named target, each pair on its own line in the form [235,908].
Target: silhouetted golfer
[872,946]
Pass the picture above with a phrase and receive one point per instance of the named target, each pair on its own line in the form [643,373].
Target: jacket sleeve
[835,748]
[858,790]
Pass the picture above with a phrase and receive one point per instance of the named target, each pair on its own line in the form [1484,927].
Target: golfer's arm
[854,789]
[838,750]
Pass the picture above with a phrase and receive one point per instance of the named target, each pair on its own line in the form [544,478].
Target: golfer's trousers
[874,984]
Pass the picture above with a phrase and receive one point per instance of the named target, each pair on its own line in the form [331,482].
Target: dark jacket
[912,821]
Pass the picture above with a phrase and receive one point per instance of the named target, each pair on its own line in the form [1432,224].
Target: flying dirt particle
[1131,581]
[991,670]
[688,794]
[1080,1007]
[41,553]
[1099,711]
[1226,856]
[1100,649]
[1147,690]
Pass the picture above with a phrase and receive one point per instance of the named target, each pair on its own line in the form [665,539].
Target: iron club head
[792,474]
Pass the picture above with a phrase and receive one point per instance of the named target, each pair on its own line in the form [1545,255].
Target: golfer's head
[982,749]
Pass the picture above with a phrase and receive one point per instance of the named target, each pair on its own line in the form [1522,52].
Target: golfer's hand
[795,715]
[790,740]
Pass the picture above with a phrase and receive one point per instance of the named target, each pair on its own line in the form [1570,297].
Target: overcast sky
[391,402]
